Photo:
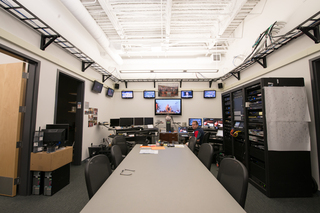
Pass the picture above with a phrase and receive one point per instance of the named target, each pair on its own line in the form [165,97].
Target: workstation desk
[174,180]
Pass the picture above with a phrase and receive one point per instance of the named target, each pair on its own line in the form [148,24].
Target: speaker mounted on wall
[116,86]
[220,85]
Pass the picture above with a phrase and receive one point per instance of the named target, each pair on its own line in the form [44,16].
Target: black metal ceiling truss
[263,63]
[236,75]
[49,35]
[86,65]
[105,77]
[310,24]
[45,42]
[316,34]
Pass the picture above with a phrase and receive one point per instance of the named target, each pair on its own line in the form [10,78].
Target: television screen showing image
[127,94]
[97,87]
[168,106]
[212,122]
[110,92]
[186,94]
[149,94]
[183,130]
[199,120]
[209,94]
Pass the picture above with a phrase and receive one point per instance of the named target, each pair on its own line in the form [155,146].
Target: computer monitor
[114,122]
[60,126]
[137,121]
[148,121]
[212,122]
[53,138]
[97,87]
[110,92]
[126,122]
[199,120]
[183,130]
[219,133]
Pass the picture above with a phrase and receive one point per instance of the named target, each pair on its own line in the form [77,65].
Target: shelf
[72,111]
[72,93]
[72,102]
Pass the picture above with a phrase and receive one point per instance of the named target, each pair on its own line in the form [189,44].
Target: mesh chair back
[121,141]
[116,155]
[192,143]
[97,171]
[205,155]
[233,175]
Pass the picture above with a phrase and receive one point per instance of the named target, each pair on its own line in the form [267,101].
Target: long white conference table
[174,180]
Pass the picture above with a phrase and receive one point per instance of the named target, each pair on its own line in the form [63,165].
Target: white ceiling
[183,39]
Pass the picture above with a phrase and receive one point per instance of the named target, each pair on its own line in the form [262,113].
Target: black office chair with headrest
[205,155]
[192,143]
[233,175]
[122,142]
[206,137]
[116,155]
[97,171]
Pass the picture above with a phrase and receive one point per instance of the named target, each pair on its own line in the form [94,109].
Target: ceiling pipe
[82,15]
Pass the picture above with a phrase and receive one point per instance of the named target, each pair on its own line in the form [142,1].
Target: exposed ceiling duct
[82,15]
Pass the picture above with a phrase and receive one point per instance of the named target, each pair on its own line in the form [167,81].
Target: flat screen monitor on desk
[212,122]
[137,121]
[114,122]
[126,122]
[60,126]
[148,121]
[183,130]
[199,120]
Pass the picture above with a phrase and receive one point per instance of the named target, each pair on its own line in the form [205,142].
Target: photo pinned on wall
[92,116]
[168,89]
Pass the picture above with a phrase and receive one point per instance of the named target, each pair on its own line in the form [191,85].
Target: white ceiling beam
[168,16]
[112,17]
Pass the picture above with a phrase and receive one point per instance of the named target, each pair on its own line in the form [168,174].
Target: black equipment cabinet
[275,173]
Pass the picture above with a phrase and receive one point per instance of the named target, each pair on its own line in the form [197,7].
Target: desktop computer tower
[37,183]
[56,180]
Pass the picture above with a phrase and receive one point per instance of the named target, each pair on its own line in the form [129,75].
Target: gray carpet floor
[74,197]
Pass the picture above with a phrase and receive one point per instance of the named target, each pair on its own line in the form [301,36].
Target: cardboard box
[43,161]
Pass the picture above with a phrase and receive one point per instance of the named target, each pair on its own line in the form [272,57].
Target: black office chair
[192,143]
[97,171]
[116,155]
[121,141]
[141,139]
[233,175]
[205,155]
[206,137]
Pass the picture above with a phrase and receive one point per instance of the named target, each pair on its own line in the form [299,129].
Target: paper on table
[145,147]
[148,151]
[179,146]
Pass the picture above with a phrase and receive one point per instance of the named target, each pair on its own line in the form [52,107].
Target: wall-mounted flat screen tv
[127,94]
[168,106]
[209,93]
[110,92]
[186,94]
[97,87]
[149,94]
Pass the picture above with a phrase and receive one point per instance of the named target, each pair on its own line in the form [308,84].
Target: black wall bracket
[236,75]
[210,83]
[126,83]
[264,61]
[86,65]
[154,84]
[316,34]
[105,77]
[44,44]
[180,83]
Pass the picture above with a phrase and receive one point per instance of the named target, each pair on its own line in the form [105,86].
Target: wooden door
[12,96]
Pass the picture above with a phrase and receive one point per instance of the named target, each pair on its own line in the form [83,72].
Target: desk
[172,181]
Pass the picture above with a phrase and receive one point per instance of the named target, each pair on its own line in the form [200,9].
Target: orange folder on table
[145,147]
[157,148]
